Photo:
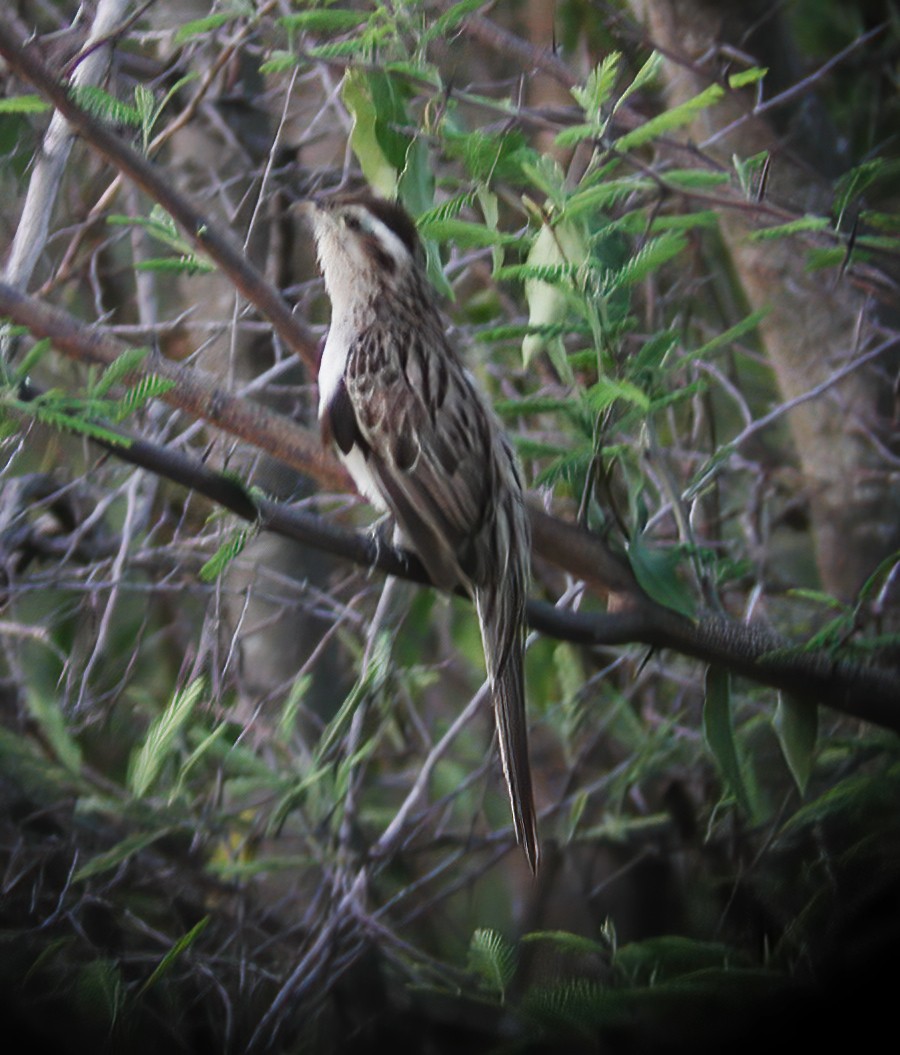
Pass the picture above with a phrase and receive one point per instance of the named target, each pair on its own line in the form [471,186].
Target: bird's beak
[307,208]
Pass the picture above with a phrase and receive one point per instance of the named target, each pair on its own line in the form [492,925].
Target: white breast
[331,370]
[333,364]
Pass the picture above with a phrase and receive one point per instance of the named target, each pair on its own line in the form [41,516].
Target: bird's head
[366,245]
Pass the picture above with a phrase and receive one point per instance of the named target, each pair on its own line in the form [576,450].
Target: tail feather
[512,733]
[504,654]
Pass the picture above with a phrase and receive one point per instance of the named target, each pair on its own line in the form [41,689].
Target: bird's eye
[353,223]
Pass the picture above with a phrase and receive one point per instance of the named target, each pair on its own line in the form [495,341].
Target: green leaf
[450,19]
[879,575]
[732,334]
[279,61]
[649,258]
[149,760]
[784,230]
[598,87]
[796,724]
[227,552]
[464,233]
[656,570]
[718,730]
[532,405]
[653,352]
[370,681]
[669,956]
[122,851]
[568,942]
[749,170]
[100,990]
[695,179]
[745,77]
[445,210]
[334,21]
[670,119]
[145,106]
[66,417]
[645,75]
[23,104]
[572,136]
[150,387]
[34,355]
[48,714]
[107,107]
[605,195]
[184,265]
[180,946]
[856,796]
[852,184]
[492,959]
[130,360]
[381,171]
[198,26]
[606,390]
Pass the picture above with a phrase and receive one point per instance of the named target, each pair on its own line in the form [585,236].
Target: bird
[423,444]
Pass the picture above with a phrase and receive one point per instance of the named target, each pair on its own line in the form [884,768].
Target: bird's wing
[432,447]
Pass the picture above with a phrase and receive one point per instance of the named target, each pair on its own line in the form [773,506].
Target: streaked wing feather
[434,460]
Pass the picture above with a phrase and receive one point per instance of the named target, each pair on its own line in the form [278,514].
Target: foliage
[295,844]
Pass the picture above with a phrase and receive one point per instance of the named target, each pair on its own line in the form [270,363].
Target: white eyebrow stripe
[390,242]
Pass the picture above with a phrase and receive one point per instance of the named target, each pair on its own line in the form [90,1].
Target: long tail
[502,633]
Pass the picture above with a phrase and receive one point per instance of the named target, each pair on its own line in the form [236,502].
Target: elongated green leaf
[671,119]
[645,75]
[532,405]
[566,941]
[46,711]
[100,103]
[184,265]
[67,418]
[138,395]
[334,21]
[718,729]
[695,178]
[605,195]
[227,552]
[575,134]
[651,256]
[797,727]
[34,355]
[446,210]
[122,851]
[607,390]
[450,19]
[745,77]
[124,364]
[749,171]
[279,61]
[784,230]
[198,26]
[732,334]
[853,183]
[23,104]
[465,234]
[183,943]
[147,764]
[381,171]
